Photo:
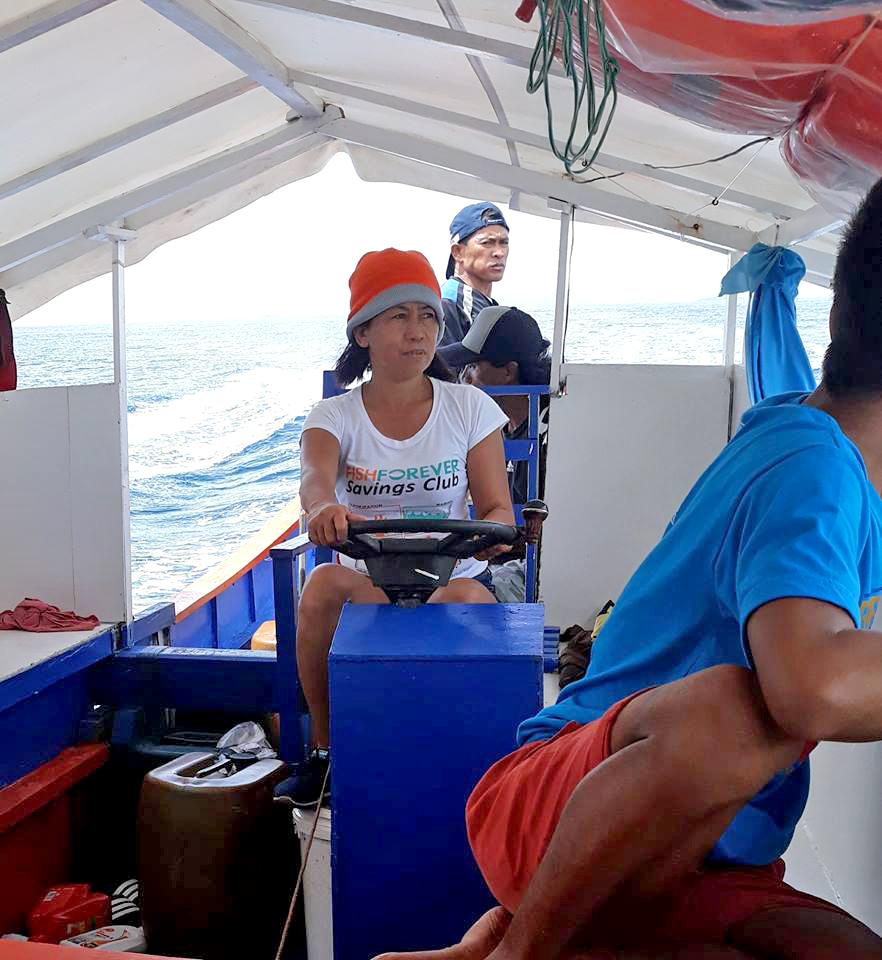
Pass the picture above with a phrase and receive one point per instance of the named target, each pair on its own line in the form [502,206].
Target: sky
[291,254]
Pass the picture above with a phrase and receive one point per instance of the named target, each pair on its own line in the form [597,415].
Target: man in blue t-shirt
[478,254]
[645,813]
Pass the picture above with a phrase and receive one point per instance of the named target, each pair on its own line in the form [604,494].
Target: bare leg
[328,588]
[667,747]
[462,590]
[795,933]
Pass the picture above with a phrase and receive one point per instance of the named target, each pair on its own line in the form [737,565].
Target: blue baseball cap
[470,220]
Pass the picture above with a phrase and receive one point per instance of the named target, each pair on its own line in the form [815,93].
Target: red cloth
[515,808]
[8,372]
[40,617]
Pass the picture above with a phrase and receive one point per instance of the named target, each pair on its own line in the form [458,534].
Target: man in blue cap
[478,254]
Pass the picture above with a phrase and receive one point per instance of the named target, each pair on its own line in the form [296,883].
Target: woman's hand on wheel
[329,524]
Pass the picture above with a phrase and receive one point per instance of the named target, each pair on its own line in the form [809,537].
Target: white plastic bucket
[316,891]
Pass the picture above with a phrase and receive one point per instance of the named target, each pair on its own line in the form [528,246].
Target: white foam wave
[200,430]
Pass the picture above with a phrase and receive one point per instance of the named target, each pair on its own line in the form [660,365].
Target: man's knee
[713,714]
[724,705]
[713,705]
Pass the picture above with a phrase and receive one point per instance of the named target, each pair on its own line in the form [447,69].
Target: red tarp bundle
[39,617]
[8,373]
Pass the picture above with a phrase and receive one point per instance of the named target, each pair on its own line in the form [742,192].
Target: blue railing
[527,449]
[286,587]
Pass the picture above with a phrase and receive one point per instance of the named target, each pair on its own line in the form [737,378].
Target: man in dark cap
[478,254]
[505,348]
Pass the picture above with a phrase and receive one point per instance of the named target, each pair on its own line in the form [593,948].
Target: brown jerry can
[217,860]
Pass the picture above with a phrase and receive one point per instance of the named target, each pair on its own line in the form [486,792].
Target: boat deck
[21,650]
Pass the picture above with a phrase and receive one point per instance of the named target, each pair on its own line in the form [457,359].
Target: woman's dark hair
[355,361]
[853,362]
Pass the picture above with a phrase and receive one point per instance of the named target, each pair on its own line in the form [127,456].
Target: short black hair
[355,361]
[853,362]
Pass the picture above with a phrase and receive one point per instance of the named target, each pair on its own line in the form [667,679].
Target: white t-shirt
[422,478]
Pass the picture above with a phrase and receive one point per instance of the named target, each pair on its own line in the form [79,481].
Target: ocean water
[216,410]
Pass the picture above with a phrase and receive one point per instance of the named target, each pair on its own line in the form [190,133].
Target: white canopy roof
[160,116]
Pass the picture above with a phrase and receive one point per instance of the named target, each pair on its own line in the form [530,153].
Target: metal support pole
[729,343]
[533,494]
[562,297]
[731,322]
[118,247]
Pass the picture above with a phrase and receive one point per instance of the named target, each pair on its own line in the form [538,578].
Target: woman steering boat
[406,444]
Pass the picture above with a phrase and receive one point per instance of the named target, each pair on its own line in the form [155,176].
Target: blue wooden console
[422,702]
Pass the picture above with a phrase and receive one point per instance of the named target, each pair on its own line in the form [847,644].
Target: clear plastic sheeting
[815,84]
[786,11]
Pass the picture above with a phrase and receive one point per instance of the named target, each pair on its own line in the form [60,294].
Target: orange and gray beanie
[386,278]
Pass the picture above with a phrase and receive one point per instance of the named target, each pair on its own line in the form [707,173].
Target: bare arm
[488,480]
[319,460]
[821,678]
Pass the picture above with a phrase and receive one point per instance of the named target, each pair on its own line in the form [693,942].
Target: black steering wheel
[409,569]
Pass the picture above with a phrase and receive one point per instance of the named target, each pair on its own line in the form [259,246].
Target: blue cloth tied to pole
[774,354]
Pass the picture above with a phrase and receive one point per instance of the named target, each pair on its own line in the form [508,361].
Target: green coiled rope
[566,26]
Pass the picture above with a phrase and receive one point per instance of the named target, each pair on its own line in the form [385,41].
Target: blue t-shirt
[786,510]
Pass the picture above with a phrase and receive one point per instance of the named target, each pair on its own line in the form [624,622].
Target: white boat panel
[626,443]
[836,850]
[61,510]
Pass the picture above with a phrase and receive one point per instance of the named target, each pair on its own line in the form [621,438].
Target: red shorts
[514,810]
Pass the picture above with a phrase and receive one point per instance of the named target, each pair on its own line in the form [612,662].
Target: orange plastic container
[264,637]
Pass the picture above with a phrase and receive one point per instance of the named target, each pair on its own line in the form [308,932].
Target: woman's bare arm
[488,480]
[319,461]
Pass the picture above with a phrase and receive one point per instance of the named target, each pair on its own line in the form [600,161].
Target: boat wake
[195,433]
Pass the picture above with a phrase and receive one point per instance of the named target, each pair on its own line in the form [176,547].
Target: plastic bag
[245,740]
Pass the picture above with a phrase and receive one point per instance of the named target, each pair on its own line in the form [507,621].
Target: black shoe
[304,787]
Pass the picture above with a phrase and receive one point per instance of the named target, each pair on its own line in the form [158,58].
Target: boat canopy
[143,120]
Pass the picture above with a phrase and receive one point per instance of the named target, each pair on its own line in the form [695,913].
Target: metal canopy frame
[64,240]
[313,123]
[44,19]
[163,196]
